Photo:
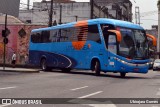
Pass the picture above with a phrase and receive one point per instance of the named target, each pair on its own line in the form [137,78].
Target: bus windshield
[134,44]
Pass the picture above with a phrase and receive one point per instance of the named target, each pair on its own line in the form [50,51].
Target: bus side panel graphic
[53,59]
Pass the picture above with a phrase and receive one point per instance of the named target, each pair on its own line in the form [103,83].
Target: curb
[34,71]
[19,66]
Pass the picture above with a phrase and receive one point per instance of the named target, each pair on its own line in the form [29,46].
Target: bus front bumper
[124,66]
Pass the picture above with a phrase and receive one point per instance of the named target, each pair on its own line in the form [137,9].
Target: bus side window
[58,35]
[93,34]
[71,31]
[36,37]
[45,36]
[53,35]
[33,38]
[81,33]
[63,37]
[105,28]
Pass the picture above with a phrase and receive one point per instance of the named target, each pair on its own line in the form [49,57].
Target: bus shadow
[114,75]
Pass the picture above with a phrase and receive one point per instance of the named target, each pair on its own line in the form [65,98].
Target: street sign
[22,32]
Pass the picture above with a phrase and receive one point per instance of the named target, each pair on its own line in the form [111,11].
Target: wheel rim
[95,67]
[43,64]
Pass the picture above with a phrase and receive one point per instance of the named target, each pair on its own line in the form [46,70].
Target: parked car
[156,65]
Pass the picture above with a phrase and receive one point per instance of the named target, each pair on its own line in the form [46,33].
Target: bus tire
[96,68]
[66,69]
[122,74]
[44,65]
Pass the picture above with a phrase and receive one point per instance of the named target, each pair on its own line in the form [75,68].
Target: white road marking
[79,88]
[7,88]
[91,94]
[5,105]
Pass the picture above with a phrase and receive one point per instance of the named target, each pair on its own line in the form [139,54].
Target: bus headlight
[123,61]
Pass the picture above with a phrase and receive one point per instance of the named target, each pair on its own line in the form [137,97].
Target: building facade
[75,11]
[118,9]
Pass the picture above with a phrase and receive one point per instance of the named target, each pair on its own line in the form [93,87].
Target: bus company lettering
[78,47]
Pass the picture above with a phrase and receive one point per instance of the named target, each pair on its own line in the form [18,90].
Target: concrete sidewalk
[25,70]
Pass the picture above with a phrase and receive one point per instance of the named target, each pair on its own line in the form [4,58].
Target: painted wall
[16,43]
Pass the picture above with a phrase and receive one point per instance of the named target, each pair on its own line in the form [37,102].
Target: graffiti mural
[17,42]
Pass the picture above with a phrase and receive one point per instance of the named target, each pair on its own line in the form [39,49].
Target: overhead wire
[147,13]
[150,19]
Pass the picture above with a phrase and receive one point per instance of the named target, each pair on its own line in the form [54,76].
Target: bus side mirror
[154,40]
[118,35]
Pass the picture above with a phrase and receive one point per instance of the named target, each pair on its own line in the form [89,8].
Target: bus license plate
[136,69]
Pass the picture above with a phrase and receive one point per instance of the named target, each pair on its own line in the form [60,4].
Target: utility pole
[60,17]
[50,14]
[76,18]
[4,55]
[158,39]
[28,3]
[92,3]
[137,15]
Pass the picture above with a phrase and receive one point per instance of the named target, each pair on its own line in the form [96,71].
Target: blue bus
[101,44]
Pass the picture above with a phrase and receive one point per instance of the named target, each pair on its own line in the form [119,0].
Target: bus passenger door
[112,50]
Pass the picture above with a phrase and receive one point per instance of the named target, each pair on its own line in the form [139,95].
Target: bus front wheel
[122,74]
[96,68]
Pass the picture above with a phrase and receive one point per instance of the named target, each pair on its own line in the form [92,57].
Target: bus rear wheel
[96,68]
[66,69]
[44,64]
[122,74]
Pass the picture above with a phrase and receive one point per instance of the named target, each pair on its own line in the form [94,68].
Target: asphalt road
[80,84]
